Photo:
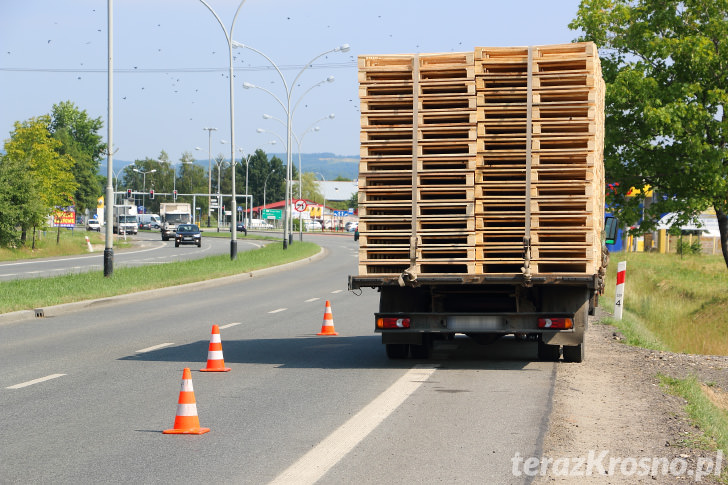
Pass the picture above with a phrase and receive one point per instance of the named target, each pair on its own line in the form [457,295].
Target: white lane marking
[154,347]
[337,291]
[278,310]
[230,325]
[35,381]
[317,462]
[311,299]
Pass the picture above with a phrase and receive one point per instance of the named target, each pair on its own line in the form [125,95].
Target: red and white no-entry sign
[300,205]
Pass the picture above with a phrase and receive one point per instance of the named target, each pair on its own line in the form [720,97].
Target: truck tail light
[556,323]
[389,322]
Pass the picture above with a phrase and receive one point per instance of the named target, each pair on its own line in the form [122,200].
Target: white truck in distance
[172,215]
[125,219]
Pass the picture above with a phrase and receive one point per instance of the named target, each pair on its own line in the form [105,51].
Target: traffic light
[151,193]
[128,193]
[175,195]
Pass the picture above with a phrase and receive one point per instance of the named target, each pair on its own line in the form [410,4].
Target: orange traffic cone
[328,327]
[215,362]
[186,420]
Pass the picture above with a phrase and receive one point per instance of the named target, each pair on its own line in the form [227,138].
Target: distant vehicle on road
[351,226]
[187,234]
[172,215]
[93,225]
[240,227]
[149,221]
[260,224]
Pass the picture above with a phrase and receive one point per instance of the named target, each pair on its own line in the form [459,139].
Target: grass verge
[71,242]
[711,419]
[40,292]
[673,303]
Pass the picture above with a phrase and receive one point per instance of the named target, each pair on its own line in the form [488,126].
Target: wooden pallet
[483,162]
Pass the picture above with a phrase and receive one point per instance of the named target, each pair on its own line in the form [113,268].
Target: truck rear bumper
[471,323]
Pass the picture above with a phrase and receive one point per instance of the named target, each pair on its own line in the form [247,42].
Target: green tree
[44,180]
[78,134]
[664,64]
[353,202]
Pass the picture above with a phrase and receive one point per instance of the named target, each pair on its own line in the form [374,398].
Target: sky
[171,64]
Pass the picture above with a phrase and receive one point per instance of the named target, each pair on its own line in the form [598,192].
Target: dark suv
[187,234]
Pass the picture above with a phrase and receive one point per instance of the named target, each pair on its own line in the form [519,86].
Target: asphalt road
[148,249]
[86,395]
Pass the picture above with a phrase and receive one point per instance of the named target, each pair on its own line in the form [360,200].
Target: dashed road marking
[154,347]
[35,381]
[278,310]
[230,325]
[311,299]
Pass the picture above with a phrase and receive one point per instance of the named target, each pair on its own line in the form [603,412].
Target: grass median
[27,294]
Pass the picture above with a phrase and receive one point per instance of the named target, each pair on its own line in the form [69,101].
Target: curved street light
[230,41]
[312,127]
[289,186]
[287,237]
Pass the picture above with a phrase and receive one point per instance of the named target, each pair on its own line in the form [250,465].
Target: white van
[149,221]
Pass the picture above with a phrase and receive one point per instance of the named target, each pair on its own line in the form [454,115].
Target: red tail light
[393,322]
[556,323]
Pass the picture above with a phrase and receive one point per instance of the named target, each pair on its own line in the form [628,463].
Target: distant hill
[327,164]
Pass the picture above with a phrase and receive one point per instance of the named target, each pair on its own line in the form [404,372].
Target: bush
[686,247]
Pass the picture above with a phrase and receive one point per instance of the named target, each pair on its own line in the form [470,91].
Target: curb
[64,308]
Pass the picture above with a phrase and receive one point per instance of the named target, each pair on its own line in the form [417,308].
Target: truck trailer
[481,196]
[172,215]
[125,219]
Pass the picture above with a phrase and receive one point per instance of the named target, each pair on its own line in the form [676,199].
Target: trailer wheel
[549,353]
[397,351]
[574,353]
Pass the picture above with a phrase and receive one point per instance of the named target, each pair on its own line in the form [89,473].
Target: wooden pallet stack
[483,162]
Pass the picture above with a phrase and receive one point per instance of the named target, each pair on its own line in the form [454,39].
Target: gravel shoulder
[613,403]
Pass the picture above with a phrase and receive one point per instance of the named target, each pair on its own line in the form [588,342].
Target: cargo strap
[526,269]
[409,276]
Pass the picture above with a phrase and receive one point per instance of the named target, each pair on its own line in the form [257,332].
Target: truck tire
[397,351]
[548,353]
[574,353]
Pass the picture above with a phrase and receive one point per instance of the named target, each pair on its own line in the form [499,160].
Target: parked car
[351,226]
[93,225]
[240,227]
[187,234]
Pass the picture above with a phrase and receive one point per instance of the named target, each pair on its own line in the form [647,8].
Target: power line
[290,67]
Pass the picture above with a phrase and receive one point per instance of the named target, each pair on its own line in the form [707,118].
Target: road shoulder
[613,403]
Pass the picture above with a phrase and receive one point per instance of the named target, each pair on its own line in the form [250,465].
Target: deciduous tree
[665,63]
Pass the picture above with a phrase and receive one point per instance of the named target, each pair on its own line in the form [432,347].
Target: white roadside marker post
[619,294]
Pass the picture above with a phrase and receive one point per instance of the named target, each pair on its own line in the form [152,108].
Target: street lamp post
[144,183]
[311,128]
[287,108]
[229,38]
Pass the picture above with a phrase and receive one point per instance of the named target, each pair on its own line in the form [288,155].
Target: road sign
[271,213]
[300,205]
